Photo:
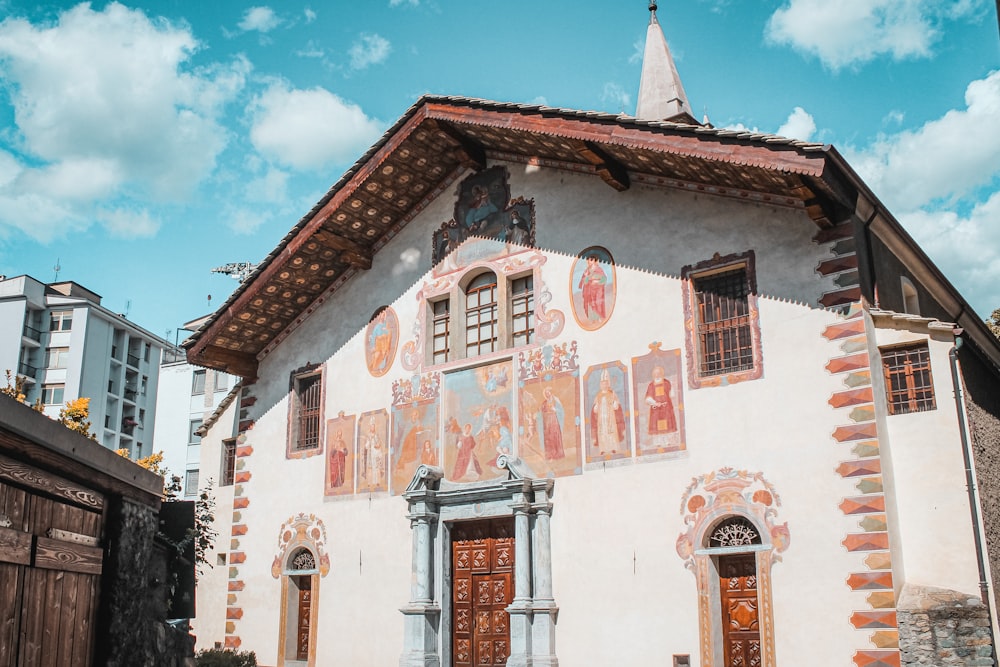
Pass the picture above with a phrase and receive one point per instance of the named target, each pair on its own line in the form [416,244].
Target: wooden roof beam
[351,252]
[228,361]
[610,170]
[470,154]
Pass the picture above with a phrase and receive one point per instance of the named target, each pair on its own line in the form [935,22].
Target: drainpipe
[984,585]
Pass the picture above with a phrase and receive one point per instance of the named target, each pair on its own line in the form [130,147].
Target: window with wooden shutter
[908,382]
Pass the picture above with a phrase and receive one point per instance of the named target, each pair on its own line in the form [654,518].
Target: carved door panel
[483,586]
[305,607]
[740,621]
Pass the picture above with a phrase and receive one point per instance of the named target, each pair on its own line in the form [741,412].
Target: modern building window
[193,437]
[191,483]
[908,382]
[522,309]
[198,383]
[481,315]
[228,473]
[144,384]
[221,381]
[61,320]
[147,352]
[722,321]
[440,331]
[56,357]
[307,413]
[52,394]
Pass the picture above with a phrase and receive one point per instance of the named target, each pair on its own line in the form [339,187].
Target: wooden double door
[482,588]
[740,617]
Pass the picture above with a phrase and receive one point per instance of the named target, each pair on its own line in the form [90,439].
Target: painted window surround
[435,504]
[299,532]
[720,264]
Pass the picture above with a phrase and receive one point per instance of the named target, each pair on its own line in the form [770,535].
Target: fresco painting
[606,399]
[373,452]
[477,404]
[593,287]
[659,397]
[381,338]
[339,479]
[549,410]
[484,209]
[414,429]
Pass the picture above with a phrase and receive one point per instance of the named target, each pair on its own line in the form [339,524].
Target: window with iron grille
[481,315]
[308,395]
[440,331]
[522,308]
[228,462]
[723,328]
[908,382]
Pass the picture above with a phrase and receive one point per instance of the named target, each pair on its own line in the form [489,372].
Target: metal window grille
[481,315]
[522,307]
[908,382]
[228,462]
[308,391]
[440,331]
[724,338]
[734,532]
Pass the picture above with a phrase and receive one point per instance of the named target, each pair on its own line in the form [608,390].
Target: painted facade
[671,441]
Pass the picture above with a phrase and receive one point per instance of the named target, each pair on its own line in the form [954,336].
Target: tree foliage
[75,415]
[993,322]
[15,389]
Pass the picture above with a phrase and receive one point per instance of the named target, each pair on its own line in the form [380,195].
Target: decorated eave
[439,138]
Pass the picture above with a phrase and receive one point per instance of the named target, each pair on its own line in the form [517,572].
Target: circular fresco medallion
[381,338]
[592,287]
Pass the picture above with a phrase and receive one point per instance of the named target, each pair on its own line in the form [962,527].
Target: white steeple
[661,95]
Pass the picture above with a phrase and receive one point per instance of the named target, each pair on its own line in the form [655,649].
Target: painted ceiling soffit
[440,137]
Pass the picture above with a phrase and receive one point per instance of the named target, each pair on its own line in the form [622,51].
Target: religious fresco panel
[606,399]
[373,451]
[414,428]
[340,455]
[477,404]
[593,286]
[484,209]
[549,410]
[381,339]
[659,399]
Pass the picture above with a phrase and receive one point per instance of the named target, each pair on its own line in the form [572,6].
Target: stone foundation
[943,627]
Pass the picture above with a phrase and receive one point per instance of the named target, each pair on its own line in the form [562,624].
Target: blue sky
[143,144]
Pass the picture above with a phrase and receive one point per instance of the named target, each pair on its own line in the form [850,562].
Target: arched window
[481,315]
[734,532]
[911,304]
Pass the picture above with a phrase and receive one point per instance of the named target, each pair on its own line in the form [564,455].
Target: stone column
[544,609]
[520,608]
[421,617]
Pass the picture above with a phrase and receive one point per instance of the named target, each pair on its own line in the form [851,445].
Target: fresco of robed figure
[339,479]
[381,338]
[607,404]
[476,410]
[659,397]
[593,286]
[414,441]
[373,451]
[549,433]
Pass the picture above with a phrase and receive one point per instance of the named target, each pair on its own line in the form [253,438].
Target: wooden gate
[483,587]
[740,622]
[50,568]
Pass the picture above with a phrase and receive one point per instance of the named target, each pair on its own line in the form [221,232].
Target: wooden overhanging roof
[439,137]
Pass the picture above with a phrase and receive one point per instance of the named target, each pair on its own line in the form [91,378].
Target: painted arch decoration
[301,531]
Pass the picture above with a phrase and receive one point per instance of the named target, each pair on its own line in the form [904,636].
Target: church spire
[661,95]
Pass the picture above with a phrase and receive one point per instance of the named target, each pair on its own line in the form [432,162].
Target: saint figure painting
[593,288]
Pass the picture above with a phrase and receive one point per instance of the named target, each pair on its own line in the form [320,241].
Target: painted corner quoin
[549,410]
[862,464]
[659,394]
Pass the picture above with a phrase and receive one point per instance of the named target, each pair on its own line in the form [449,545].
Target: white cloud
[271,188]
[126,118]
[615,96]
[245,221]
[800,125]
[851,32]
[306,129]
[259,19]
[125,223]
[409,260]
[396,3]
[944,159]
[309,14]
[369,50]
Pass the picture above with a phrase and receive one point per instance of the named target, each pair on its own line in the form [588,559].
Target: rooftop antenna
[210,302]
[128,307]
[57,268]
[238,270]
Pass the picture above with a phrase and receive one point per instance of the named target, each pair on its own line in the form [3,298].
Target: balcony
[133,360]
[129,424]
[27,370]
[130,394]
[32,336]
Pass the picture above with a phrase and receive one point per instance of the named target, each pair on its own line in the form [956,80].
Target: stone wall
[941,628]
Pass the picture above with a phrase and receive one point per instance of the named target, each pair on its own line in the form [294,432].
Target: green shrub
[217,657]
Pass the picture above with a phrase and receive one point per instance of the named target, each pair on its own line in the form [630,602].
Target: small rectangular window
[198,383]
[61,320]
[193,437]
[723,327]
[221,381]
[908,382]
[228,462]
[308,395]
[191,483]
[56,357]
[522,308]
[147,352]
[52,394]
[440,331]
